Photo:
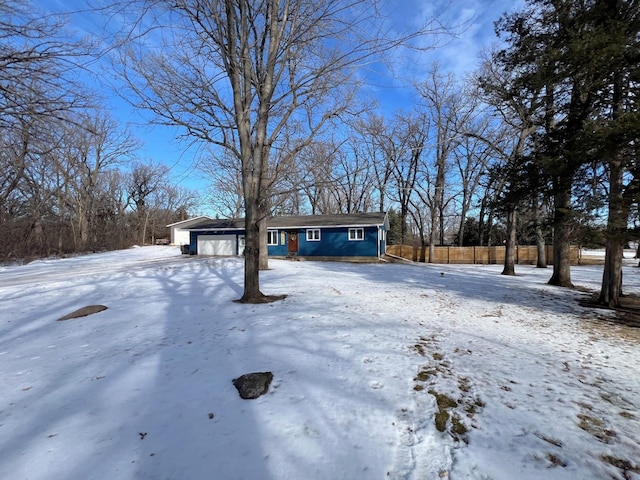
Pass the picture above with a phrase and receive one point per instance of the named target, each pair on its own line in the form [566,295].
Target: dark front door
[293,242]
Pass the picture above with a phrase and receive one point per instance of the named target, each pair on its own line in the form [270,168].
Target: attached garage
[180,233]
[216,244]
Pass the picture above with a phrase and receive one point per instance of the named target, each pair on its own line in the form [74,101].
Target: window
[272,237]
[356,234]
[313,235]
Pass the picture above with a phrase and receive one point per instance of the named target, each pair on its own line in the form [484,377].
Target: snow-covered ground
[370,363]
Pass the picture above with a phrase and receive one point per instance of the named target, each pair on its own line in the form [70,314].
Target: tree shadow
[132,392]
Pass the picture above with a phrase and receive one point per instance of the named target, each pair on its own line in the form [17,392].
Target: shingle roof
[221,224]
[192,221]
[301,221]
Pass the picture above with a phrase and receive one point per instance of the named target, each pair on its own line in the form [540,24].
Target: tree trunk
[252,293]
[562,233]
[510,246]
[264,248]
[541,248]
[432,235]
[461,236]
[611,289]
[83,228]
[616,230]
[541,261]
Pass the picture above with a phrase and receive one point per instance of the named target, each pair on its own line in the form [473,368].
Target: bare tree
[448,110]
[471,159]
[95,144]
[351,180]
[144,183]
[375,136]
[233,73]
[38,92]
[225,183]
[409,143]
[315,176]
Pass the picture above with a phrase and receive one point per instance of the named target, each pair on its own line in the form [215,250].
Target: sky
[364,358]
[471,22]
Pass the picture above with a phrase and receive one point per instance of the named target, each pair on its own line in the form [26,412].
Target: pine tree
[579,55]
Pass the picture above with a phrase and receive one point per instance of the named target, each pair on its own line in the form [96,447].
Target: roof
[221,224]
[191,221]
[302,221]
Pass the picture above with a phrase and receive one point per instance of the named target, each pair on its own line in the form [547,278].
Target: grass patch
[425,374]
[546,438]
[457,427]
[450,413]
[420,349]
[624,465]
[441,419]
[443,401]
[473,407]
[463,384]
[555,460]
[596,427]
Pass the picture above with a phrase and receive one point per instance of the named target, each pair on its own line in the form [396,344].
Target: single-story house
[180,230]
[356,236]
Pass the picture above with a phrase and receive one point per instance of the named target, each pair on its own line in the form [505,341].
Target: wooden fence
[525,254]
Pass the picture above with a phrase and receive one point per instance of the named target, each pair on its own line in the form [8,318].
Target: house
[356,236]
[180,230]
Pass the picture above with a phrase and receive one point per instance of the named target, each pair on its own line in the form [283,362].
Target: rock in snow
[83,312]
[252,385]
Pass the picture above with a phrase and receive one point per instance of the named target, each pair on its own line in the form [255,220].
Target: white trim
[312,231]
[354,237]
[269,233]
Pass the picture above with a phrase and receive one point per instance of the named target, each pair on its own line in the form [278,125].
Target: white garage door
[216,245]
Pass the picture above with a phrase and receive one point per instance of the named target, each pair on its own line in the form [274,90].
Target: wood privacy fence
[525,254]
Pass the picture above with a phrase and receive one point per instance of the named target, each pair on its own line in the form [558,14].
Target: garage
[216,244]
[180,230]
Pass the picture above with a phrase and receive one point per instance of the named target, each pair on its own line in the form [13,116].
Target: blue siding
[280,250]
[193,242]
[334,242]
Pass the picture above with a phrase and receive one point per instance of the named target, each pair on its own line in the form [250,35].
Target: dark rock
[252,385]
[83,312]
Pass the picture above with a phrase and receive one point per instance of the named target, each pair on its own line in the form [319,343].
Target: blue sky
[472,21]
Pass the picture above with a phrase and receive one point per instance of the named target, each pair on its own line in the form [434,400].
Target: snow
[544,387]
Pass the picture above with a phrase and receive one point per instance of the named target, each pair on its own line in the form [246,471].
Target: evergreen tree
[579,55]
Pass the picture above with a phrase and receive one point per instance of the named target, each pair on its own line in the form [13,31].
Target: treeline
[70,178]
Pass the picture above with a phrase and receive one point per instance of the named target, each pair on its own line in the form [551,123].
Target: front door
[293,242]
